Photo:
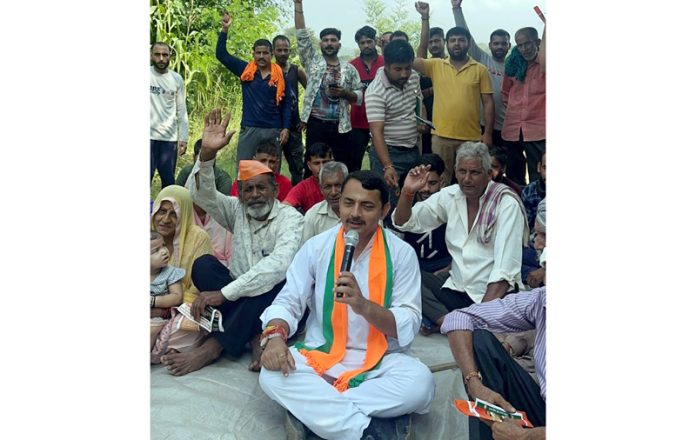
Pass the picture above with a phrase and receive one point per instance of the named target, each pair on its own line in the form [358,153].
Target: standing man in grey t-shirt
[168,118]
[499,45]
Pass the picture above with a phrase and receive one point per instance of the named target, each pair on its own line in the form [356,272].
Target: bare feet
[427,330]
[255,364]
[180,364]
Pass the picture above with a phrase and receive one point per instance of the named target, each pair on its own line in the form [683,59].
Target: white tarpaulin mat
[224,401]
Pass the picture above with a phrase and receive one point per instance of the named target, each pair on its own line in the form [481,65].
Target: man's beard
[323,52]
[460,57]
[259,212]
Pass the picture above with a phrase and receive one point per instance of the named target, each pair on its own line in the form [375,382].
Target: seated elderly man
[490,372]
[485,232]
[352,370]
[266,238]
[324,215]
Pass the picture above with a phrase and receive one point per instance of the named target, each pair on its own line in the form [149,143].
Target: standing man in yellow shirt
[461,85]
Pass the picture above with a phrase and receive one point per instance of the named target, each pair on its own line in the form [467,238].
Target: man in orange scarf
[352,371]
[265,111]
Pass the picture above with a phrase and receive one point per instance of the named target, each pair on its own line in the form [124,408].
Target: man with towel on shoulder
[486,228]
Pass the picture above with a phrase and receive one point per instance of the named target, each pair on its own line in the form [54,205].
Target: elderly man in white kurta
[486,228]
[324,215]
[353,364]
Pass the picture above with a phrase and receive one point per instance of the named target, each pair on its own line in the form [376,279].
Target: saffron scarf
[276,80]
[335,315]
[486,217]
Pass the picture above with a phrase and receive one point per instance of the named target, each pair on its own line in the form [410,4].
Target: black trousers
[521,153]
[240,318]
[327,132]
[452,299]
[503,375]
[359,138]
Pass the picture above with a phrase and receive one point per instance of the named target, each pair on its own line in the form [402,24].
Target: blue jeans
[403,159]
[163,158]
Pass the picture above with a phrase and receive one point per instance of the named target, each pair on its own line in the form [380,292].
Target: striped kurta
[514,313]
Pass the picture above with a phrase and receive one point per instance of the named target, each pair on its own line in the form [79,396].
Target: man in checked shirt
[488,369]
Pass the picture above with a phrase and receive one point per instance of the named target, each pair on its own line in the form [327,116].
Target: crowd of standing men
[450,236]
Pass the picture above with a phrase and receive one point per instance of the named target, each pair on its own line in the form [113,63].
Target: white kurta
[474,265]
[400,385]
[318,219]
[262,249]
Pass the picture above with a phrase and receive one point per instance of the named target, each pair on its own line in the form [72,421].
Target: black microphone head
[351,238]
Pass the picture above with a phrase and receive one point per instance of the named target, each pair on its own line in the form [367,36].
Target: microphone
[351,239]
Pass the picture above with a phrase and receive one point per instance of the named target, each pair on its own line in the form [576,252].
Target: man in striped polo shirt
[391,101]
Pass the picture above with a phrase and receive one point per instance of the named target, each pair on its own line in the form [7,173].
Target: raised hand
[416,179]
[423,9]
[226,22]
[215,135]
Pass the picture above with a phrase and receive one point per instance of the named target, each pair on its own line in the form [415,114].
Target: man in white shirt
[168,118]
[324,215]
[266,238]
[352,370]
[486,228]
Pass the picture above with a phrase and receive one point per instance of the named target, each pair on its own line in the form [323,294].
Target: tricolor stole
[335,316]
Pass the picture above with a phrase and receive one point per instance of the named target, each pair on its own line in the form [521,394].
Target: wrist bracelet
[271,332]
[472,375]
[298,12]
[152,302]
[391,165]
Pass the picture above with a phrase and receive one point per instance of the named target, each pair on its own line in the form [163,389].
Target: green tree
[191,29]
[398,19]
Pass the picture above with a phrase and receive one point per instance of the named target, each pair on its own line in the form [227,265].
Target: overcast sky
[482,16]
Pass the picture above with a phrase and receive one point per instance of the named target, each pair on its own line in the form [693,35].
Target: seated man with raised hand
[307,193]
[266,238]
[485,229]
[325,215]
[430,246]
[352,368]
[268,153]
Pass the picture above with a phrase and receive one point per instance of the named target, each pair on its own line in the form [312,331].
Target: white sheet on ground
[224,401]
